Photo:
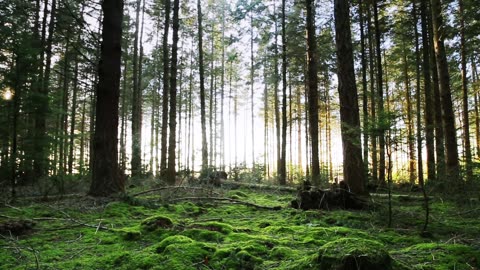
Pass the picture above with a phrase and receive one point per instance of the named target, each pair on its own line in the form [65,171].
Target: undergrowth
[148,232]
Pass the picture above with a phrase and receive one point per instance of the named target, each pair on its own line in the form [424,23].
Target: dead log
[337,198]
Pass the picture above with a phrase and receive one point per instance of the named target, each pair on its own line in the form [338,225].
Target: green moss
[213,226]
[175,239]
[156,222]
[204,235]
[235,258]
[186,255]
[348,252]
[440,256]
[130,233]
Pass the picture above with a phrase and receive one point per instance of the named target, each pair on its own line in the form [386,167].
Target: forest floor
[229,228]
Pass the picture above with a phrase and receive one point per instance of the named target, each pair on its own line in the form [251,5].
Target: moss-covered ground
[160,230]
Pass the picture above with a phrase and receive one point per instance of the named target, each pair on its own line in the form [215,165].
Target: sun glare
[7,94]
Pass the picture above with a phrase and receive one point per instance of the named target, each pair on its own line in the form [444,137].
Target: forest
[243,134]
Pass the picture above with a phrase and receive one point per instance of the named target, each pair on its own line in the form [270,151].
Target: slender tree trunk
[349,111]
[418,97]
[477,103]
[173,98]
[410,138]
[106,179]
[429,102]
[466,121]
[452,164]
[276,98]
[81,162]
[73,118]
[136,101]
[252,96]
[166,91]
[222,95]
[202,89]
[439,132]
[373,105]
[364,86]
[283,155]
[381,112]
[312,91]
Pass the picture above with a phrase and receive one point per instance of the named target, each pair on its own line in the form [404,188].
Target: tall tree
[136,101]
[381,111]
[452,163]
[172,124]
[349,111]
[429,102]
[165,92]
[106,178]
[282,170]
[466,120]
[312,90]
[202,89]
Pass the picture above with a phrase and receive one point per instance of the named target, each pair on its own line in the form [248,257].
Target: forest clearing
[161,230]
[245,134]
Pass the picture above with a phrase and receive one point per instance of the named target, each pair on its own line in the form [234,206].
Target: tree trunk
[429,103]
[282,170]
[173,98]
[166,91]
[373,105]
[73,118]
[476,100]
[349,111]
[452,164]
[410,137]
[381,111]
[202,89]
[418,97]
[466,121]
[364,86]
[106,178]
[312,91]
[136,102]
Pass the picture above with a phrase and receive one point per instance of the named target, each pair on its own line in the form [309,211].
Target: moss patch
[354,253]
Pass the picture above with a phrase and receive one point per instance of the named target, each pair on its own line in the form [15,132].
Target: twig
[228,200]
[169,187]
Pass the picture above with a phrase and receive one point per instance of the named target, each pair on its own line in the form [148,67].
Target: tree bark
[466,120]
[349,111]
[452,163]
[202,89]
[172,124]
[312,91]
[165,92]
[282,170]
[429,103]
[106,179]
[136,102]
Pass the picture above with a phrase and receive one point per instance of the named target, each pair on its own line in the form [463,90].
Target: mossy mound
[235,258]
[156,222]
[354,254]
[440,256]
[213,226]
[174,239]
[181,252]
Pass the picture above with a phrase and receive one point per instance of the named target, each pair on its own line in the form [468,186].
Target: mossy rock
[354,254]
[156,222]
[175,239]
[130,233]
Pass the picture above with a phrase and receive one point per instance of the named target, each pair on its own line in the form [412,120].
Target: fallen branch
[169,187]
[228,200]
